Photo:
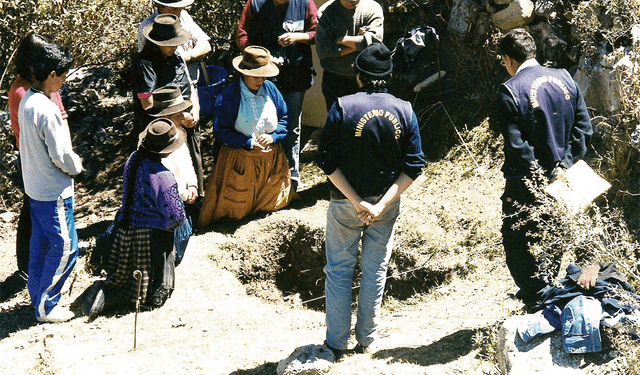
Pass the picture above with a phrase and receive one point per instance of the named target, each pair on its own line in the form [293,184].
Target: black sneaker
[338,353]
[95,301]
[361,349]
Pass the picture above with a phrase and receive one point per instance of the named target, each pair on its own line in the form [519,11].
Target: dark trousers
[517,241]
[335,86]
[162,273]
[23,236]
[193,144]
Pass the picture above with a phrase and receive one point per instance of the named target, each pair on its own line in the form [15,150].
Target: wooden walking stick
[138,276]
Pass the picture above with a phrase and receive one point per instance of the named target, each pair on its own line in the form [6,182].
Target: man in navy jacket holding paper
[546,127]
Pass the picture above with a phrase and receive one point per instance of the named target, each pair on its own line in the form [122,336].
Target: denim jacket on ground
[568,307]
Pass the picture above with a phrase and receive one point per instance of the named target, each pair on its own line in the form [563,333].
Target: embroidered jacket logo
[533,92]
[378,113]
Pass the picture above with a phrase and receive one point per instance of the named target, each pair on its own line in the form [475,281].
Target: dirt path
[210,326]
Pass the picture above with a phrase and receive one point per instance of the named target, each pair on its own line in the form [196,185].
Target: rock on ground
[307,360]
[517,14]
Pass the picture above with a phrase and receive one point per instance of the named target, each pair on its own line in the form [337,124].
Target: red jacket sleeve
[311,21]
[244,26]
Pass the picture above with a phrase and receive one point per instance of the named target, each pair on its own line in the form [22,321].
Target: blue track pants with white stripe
[53,251]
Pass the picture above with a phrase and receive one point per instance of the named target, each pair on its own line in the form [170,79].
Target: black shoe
[361,349]
[531,307]
[338,353]
[95,301]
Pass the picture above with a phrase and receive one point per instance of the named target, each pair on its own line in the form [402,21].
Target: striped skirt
[149,251]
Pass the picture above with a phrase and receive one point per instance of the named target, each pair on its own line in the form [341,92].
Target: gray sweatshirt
[48,160]
[335,21]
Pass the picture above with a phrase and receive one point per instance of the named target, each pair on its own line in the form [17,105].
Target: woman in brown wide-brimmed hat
[250,122]
[159,65]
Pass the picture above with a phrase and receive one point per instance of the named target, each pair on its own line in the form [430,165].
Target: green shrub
[96,31]
[100,31]
[598,20]
[598,234]
[218,19]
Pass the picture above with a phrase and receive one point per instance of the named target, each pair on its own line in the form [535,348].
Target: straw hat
[162,137]
[255,62]
[167,31]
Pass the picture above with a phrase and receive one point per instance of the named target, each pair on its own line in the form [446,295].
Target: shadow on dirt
[264,369]
[12,285]
[445,350]
[16,319]
[417,281]
[93,229]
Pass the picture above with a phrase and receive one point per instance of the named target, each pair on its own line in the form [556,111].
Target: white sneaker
[56,315]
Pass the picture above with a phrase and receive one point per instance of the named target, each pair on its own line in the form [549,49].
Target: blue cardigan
[226,113]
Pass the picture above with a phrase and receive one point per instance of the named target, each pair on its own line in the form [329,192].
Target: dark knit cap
[375,61]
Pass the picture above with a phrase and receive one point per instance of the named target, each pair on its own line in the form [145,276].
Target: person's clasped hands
[263,141]
[193,194]
[287,39]
[367,212]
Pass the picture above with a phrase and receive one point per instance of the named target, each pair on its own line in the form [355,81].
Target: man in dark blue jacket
[370,148]
[546,127]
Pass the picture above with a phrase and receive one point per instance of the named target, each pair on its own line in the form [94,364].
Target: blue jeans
[53,251]
[581,325]
[579,322]
[344,232]
[291,143]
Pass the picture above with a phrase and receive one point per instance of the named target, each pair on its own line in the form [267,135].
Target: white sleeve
[55,133]
[188,24]
[179,163]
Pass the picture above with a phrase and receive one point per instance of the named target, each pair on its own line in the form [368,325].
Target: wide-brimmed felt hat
[375,61]
[162,137]
[256,62]
[167,31]
[168,100]
[174,3]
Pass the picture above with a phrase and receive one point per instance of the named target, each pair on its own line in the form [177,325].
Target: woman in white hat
[144,226]
[250,122]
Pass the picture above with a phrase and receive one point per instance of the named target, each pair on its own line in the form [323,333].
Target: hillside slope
[212,326]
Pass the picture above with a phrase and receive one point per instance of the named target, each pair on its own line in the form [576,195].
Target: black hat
[375,61]
[166,30]
[162,137]
[168,100]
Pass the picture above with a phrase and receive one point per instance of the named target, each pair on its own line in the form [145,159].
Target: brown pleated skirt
[244,182]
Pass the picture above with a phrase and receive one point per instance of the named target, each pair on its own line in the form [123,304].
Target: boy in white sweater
[49,165]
